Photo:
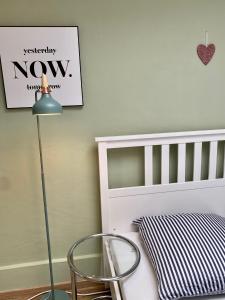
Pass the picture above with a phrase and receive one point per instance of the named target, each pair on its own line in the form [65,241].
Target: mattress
[142,284]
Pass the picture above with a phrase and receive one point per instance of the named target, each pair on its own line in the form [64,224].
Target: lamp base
[59,295]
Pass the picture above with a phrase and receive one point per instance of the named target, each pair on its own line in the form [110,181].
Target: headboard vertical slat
[181,162]
[165,164]
[224,160]
[197,161]
[213,159]
[148,165]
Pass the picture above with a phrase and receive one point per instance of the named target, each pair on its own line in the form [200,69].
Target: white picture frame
[28,52]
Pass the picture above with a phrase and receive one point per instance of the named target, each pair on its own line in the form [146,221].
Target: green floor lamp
[46,105]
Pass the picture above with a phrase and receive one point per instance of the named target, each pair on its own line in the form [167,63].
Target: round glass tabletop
[103,257]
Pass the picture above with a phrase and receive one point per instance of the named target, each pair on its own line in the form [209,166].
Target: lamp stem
[45,207]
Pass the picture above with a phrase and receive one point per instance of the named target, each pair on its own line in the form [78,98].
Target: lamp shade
[46,105]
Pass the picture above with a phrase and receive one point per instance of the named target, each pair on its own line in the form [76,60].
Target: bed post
[104,184]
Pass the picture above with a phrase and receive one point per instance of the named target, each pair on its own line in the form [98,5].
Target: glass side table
[102,258]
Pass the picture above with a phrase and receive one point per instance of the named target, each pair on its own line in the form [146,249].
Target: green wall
[140,74]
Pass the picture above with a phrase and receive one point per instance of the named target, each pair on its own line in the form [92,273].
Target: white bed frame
[120,206]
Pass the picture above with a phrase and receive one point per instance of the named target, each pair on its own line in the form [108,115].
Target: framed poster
[28,52]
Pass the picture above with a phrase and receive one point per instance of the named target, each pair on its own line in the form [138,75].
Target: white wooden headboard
[119,206]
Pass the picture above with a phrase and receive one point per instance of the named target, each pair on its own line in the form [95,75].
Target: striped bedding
[187,252]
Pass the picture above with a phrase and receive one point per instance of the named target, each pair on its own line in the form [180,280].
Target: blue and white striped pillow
[187,252]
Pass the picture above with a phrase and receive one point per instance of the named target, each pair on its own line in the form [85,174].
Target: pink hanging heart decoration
[205,53]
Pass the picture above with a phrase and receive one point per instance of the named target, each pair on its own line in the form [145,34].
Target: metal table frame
[75,271]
